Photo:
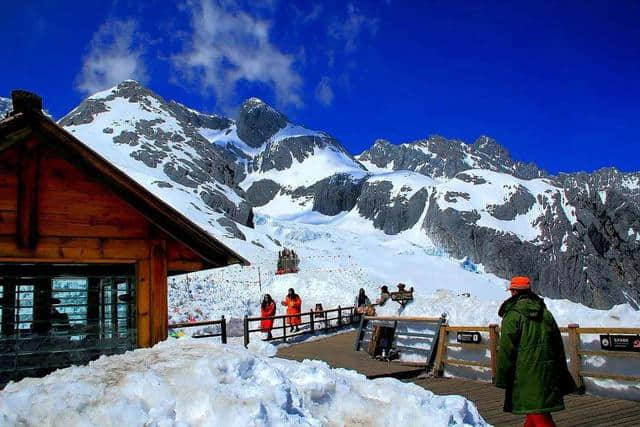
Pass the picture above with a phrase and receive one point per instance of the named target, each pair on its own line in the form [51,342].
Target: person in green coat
[531,366]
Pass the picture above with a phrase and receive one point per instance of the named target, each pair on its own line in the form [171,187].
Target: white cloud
[226,47]
[324,93]
[114,56]
[352,27]
[314,13]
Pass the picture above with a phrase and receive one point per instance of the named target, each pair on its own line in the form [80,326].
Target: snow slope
[197,383]
[339,255]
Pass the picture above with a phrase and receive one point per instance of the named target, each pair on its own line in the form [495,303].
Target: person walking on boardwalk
[267,309]
[531,365]
[293,304]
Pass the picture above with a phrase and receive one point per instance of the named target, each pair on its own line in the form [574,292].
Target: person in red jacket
[267,309]
[293,304]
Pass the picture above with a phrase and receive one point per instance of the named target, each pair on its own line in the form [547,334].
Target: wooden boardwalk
[585,410]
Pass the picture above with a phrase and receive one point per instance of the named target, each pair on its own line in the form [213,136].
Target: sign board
[620,342]
[469,337]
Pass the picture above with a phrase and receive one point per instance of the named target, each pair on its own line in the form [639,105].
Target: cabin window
[54,316]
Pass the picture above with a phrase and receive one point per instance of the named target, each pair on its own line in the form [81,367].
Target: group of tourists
[292,301]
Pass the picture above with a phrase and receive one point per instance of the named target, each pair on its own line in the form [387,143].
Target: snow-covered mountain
[5,106]
[577,235]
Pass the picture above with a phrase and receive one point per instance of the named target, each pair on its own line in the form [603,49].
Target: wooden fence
[222,334]
[367,324]
[573,350]
[317,321]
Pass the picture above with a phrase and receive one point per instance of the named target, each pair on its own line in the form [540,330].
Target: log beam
[27,215]
[158,286]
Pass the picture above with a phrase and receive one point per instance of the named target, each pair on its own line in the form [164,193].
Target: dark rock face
[332,195]
[262,192]
[258,122]
[390,214]
[198,120]
[519,204]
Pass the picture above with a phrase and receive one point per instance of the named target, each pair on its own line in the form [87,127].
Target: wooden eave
[18,127]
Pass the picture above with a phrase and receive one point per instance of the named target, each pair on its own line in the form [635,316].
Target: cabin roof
[30,121]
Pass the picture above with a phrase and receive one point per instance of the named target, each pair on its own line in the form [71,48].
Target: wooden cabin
[85,250]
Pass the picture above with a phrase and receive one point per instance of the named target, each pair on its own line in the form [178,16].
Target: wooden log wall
[53,212]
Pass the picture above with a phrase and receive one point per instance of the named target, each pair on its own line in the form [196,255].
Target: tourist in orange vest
[293,304]
[267,309]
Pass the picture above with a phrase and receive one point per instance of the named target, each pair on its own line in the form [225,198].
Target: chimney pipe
[24,101]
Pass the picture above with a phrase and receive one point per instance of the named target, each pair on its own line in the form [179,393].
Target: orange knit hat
[519,283]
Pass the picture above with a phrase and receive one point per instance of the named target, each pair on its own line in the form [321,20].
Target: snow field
[337,259]
[190,382]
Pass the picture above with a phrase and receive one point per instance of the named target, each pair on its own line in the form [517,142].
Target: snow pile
[197,383]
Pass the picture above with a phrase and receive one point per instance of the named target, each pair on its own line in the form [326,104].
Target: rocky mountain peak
[258,121]
[490,147]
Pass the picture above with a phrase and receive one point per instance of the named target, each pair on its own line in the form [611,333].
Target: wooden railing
[573,350]
[576,353]
[317,321]
[442,358]
[222,334]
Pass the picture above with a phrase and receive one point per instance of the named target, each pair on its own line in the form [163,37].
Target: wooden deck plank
[581,410]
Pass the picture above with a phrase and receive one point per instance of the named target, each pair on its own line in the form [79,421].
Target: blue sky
[556,82]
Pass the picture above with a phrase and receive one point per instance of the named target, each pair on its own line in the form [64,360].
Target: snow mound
[190,382]
[262,348]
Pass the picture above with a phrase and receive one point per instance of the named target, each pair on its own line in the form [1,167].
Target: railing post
[223,330]
[493,349]
[311,322]
[326,322]
[339,316]
[359,334]
[574,356]
[246,330]
[438,365]
[284,329]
